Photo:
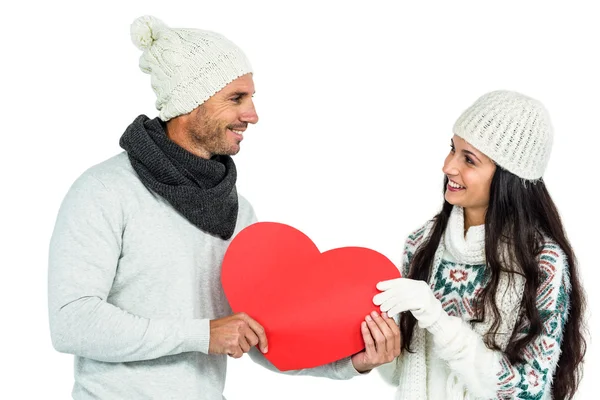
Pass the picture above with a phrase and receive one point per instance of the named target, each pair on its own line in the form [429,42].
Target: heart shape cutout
[311,304]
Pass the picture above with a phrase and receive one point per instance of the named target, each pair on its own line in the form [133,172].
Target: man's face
[217,126]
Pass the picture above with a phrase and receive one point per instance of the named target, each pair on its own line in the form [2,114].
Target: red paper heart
[310,303]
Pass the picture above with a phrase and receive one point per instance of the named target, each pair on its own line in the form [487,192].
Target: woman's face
[470,174]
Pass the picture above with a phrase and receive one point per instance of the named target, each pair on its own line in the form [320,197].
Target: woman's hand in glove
[403,294]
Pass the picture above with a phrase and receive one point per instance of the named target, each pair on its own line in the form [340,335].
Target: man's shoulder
[105,186]
[117,166]
[115,173]
[114,178]
[243,202]
[246,214]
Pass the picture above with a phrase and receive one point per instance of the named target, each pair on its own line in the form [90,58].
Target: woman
[501,314]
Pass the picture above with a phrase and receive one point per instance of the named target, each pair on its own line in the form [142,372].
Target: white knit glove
[402,294]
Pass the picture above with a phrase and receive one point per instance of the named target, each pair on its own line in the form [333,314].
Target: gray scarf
[203,191]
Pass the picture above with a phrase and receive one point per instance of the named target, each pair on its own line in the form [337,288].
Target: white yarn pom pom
[144,30]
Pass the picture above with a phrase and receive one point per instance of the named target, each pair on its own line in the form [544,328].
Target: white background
[356,104]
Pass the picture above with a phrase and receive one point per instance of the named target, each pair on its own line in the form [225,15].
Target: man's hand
[235,335]
[382,342]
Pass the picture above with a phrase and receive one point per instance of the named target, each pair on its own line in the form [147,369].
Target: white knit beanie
[186,66]
[512,129]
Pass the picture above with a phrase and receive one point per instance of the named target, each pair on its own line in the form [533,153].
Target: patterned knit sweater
[456,363]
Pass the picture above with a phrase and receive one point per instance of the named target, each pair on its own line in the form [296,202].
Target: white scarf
[465,250]
[411,368]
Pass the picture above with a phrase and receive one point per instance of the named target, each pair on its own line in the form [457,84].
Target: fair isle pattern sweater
[462,360]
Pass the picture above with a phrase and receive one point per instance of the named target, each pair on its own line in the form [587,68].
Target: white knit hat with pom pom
[186,66]
[510,128]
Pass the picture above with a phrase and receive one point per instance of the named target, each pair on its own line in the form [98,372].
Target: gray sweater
[132,286]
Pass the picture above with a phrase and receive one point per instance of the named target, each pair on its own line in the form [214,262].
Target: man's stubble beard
[210,134]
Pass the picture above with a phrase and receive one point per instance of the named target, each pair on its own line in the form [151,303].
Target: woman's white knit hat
[512,129]
[186,66]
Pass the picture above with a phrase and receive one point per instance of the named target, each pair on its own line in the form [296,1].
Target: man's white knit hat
[512,129]
[186,66]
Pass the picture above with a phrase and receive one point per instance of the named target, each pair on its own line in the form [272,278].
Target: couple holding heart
[489,304]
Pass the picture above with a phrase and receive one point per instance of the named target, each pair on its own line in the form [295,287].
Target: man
[135,257]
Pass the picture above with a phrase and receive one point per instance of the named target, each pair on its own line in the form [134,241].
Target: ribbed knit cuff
[345,369]
[196,335]
[388,372]
[445,329]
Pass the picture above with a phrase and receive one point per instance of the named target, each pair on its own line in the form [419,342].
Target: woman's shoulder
[417,236]
[421,232]
[554,264]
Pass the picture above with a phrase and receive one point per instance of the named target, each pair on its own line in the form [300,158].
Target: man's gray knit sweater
[132,288]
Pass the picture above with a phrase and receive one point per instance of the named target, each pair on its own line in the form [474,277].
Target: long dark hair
[520,213]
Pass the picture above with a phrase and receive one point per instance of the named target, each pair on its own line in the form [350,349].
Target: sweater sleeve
[84,254]
[341,369]
[487,373]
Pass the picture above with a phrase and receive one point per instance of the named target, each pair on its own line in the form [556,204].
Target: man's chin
[232,151]
[235,149]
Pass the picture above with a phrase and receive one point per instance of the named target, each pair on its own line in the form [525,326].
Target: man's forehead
[243,84]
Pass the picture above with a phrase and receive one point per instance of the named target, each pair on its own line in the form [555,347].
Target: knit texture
[186,66]
[512,129]
[203,191]
[451,360]
[469,249]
